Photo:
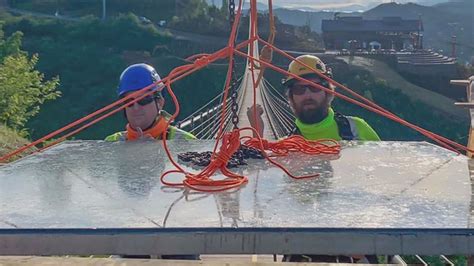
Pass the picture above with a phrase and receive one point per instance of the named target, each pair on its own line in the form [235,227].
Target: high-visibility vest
[173,134]
[336,126]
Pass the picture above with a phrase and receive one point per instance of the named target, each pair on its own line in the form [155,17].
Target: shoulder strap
[344,126]
[170,133]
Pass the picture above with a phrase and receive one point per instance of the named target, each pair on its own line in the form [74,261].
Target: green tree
[22,88]
[11,45]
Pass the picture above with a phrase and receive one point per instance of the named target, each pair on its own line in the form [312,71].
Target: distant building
[357,33]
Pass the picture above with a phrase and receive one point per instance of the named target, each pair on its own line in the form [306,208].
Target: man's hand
[266,54]
[256,122]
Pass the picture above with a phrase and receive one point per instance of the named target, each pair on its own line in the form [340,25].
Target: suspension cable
[283,102]
[209,115]
[211,125]
[203,107]
[268,112]
[273,115]
[448,144]
[215,115]
[230,141]
[281,120]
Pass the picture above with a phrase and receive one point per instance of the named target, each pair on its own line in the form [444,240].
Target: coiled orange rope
[296,143]
[204,182]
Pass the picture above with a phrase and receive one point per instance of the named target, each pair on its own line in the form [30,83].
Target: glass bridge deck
[94,197]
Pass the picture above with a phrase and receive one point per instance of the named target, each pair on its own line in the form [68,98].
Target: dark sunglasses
[141,102]
[301,89]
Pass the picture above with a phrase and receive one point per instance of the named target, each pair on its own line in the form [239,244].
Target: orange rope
[449,144]
[138,94]
[217,159]
[445,142]
[297,143]
[266,53]
[230,44]
[230,144]
[202,181]
[178,73]
[230,141]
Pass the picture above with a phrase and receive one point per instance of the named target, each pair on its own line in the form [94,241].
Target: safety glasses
[301,89]
[142,102]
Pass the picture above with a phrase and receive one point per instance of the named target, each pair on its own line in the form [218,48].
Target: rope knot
[226,52]
[230,145]
[202,61]
[266,145]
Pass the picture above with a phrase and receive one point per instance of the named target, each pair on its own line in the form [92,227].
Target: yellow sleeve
[115,137]
[365,131]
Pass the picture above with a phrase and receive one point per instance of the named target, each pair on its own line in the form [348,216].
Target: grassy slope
[383,71]
[10,140]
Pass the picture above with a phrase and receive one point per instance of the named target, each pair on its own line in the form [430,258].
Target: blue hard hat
[136,77]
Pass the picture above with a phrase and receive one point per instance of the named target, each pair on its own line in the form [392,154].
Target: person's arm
[176,133]
[366,132]
[118,136]
[254,114]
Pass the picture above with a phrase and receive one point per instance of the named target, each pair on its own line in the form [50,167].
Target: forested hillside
[89,57]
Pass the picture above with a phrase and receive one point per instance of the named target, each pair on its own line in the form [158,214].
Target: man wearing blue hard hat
[146,117]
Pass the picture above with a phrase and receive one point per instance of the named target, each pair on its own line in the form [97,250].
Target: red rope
[203,181]
[230,144]
[178,73]
[296,143]
[429,134]
[449,144]
[139,95]
[230,141]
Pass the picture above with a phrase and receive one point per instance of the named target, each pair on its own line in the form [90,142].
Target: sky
[341,5]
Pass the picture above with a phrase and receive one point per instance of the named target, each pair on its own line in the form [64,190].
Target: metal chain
[234,106]
[233,85]
[199,159]
[231,12]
